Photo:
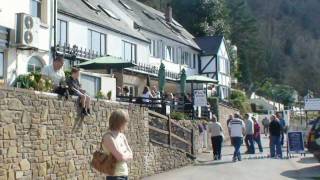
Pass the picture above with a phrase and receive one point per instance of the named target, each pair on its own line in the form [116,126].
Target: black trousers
[216,146]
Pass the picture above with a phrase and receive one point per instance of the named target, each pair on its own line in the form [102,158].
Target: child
[75,89]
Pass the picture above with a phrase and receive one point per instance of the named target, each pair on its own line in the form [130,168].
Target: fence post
[169,130]
[192,141]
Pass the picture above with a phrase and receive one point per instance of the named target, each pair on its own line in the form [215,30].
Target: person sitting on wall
[55,73]
[75,89]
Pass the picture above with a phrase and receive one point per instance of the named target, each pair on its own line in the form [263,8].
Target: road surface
[252,167]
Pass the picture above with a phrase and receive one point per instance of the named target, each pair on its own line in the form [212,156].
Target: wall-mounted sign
[312,104]
[200,98]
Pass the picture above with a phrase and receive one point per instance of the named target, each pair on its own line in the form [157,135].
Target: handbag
[104,163]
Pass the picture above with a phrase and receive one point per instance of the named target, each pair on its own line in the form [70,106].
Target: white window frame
[102,35]
[59,21]
[133,51]
[2,65]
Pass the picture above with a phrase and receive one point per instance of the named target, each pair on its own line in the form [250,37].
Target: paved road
[251,168]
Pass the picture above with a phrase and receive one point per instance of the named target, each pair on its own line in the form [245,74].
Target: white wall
[78,35]
[212,65]
[16,60]
[171,66]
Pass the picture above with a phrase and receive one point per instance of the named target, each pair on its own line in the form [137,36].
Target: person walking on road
[249,134]
[275,137]
[265,123]
[283,127]
[256,135]
[236,131]
[216,131]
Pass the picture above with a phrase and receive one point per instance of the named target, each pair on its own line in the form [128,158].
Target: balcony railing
[154,70]
[75,52]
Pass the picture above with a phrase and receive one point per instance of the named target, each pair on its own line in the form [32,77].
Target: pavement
[252,167]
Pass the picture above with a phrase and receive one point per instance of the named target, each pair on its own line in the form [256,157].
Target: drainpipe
[54,28]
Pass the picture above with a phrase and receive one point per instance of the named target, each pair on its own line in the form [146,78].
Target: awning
[106,62]
[200,79]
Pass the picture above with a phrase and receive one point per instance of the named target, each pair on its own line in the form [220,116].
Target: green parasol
[183,78]
[162,78]
[106,62]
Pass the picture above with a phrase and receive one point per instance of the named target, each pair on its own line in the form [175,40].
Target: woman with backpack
[116,146]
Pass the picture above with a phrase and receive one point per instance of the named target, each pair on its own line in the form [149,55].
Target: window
[160,52]
[97,42]
[148,15]
[179,56]
[34,64]
[91,84]
[153,48]
[129,52]
[1,64]
[62,32]
[125,5]
[194,61]
[108,12]
[169,53]
[36,8]
[186,58]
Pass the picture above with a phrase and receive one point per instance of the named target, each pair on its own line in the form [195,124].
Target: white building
[130,30]
[215,62]
[24,37]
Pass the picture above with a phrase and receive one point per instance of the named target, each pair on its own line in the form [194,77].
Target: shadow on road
[212,163]
[308,160]
[304,173]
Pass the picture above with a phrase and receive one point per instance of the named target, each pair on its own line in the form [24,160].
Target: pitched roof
[79,10]
[153,21]
[209,44]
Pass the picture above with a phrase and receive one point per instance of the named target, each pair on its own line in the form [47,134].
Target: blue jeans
[237,141]
[250,143]
[275,146]
[258,141]
[117,178]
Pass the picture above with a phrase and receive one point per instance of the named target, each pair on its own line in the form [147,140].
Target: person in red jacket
[256,135]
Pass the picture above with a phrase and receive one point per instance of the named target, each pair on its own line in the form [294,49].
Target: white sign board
[312,104]
[200,98]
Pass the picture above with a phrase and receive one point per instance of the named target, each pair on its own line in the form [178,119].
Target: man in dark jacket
[75,89]
[275,130]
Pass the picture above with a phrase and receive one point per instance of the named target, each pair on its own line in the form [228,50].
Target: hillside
[277,39]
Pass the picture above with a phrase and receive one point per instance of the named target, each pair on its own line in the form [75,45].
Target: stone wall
[43,137]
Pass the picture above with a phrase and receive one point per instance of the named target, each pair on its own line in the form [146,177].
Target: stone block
[19,174]
[24,165]
[42,132]
[15,104]
[42,169]
[12,152]
[9,131]
[71,167]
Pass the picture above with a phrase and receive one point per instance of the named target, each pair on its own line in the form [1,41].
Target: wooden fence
[163,130]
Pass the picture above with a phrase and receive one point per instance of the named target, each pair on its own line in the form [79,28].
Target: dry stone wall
[43,137]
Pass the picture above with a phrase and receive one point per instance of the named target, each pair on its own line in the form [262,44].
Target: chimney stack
[168,13]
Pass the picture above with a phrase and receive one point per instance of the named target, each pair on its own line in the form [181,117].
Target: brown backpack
[104,163]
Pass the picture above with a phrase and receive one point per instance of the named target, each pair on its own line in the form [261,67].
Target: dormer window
[108,12]
[90,5]
[125,5]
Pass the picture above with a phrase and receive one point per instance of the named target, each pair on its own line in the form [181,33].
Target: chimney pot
[168,13]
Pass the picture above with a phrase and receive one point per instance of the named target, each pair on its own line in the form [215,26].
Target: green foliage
[109,94]
[177,115]
[214,102]
[100,95]
[67,74]
[240,101]
[281,93]
[33,81]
